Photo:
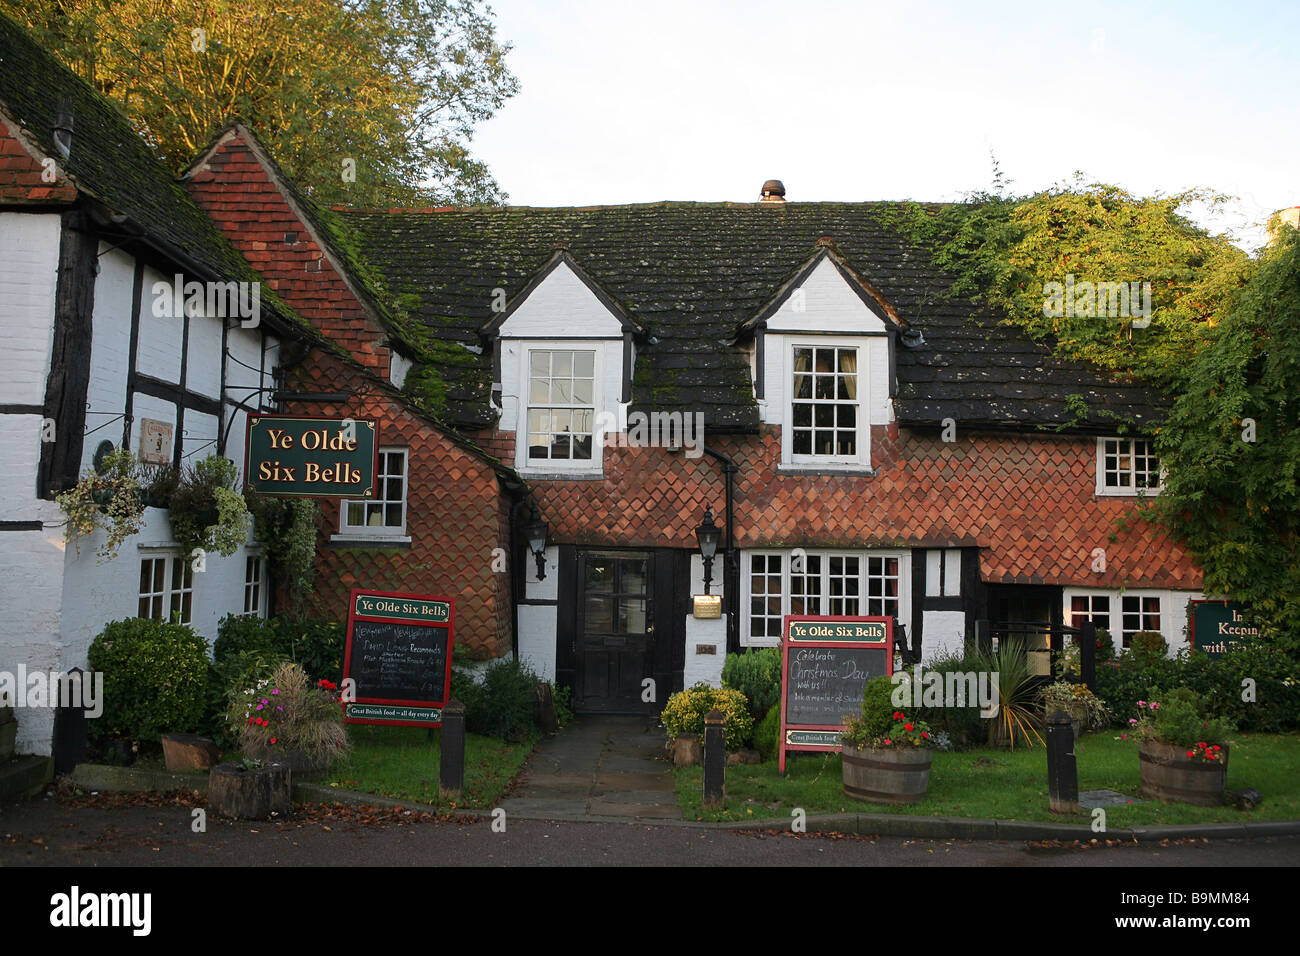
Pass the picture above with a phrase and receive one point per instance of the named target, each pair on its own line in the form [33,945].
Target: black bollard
[451,771]
[715,759]
[1062,774]
[70,722]
[1088,654]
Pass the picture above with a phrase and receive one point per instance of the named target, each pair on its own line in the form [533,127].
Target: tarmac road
[45,832]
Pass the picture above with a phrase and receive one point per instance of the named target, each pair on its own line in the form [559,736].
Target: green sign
[1219,626]
[289,456]
[402,609]
[863,632]
[417,715]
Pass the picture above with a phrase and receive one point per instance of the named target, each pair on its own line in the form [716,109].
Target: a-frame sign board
[825,664]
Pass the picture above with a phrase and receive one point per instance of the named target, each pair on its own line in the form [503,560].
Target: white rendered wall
[705,667]
[942,632]
[537,622]
[31,562]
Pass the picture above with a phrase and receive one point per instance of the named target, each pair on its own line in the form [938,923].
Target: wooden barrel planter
[1169,774]
[248,794]
[888,775]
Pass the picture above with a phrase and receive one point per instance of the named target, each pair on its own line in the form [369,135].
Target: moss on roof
[691,274]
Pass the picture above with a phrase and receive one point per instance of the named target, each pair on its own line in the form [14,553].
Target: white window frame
[1132,491]
[864,584]
[1124,638]
[259,585]
[170,594]
[353,532]
[600,408]
[861,460]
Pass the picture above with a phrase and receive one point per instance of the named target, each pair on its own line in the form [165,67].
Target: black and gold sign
[290,456]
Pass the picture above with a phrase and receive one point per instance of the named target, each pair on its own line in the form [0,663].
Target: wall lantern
[536,531]
[708,534]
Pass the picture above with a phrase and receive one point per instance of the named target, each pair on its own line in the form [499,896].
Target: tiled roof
[110,162]
[694,273]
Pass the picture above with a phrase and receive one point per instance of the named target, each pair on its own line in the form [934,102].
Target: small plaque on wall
[708,606]
[155,441]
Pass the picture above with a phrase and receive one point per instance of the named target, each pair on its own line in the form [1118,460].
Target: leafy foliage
[756,674]
[685,710]
[205,511]
[155,678]
[287,529]
[1002,250]
[394,86]
[502,702]
[1231,446]
[315,645]
[767,733]
[111,499]
[1018,711]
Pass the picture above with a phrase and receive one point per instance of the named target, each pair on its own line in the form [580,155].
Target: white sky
[642,101]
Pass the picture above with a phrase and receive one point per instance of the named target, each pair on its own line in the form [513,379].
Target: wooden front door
[615,631]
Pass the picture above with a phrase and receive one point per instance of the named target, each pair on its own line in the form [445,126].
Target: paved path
[598,768]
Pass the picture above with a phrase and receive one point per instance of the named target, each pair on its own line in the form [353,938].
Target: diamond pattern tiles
[1027,501]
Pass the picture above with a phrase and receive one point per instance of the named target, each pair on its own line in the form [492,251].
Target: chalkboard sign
[825,664]
[398,658]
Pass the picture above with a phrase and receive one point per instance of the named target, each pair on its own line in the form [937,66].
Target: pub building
[586,417]
[774,403]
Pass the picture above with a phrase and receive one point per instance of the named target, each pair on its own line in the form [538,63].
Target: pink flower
[1155,706]
[888,741]
[1142,703]
[276,691]
[1132,720]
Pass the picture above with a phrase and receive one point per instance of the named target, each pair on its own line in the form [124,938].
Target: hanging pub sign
[1217,627]
[398,657]
[825,665]
[297,456]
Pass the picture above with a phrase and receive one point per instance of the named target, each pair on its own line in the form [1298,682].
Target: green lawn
[403,762]
[1012,788]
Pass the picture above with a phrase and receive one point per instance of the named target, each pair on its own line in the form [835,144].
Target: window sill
[539,475]
[852,471]
[369,541]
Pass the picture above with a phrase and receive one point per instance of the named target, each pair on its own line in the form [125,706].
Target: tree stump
[188,752]
[244,794]
[544,709]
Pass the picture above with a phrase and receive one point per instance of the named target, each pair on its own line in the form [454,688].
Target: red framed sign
[825,664]
[398,657]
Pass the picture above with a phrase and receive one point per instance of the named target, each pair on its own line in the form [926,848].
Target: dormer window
[561,405]
[825,417]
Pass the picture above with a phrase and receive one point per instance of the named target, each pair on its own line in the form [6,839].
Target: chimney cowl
[63,131]
[773,191]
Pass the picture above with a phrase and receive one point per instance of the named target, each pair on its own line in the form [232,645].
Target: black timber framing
[69,376]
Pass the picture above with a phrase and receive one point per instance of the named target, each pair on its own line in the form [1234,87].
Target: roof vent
[912,338]
[773,191]
[63,132]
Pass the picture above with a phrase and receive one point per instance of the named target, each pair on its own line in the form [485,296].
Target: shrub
[685,710]
[563,698]
[767,733]
[155,678]
[1276,684]
[961,726]
[880,723]
[316,645]
[287,713]
[756,674]
[502,703]
[1105,646]
[1148,647]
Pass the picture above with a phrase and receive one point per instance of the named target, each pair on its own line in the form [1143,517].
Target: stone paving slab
[599,766]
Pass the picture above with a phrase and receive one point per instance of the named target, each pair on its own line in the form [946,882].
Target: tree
[1232,448]
[363,102]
